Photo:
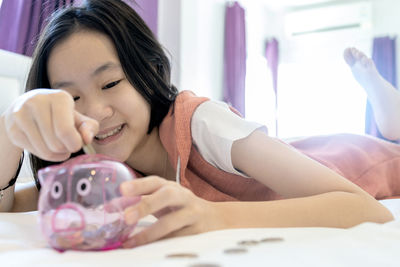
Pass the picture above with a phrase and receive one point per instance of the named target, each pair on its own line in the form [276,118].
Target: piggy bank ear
[45,175]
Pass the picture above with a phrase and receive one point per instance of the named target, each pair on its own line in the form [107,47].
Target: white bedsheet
[368,244]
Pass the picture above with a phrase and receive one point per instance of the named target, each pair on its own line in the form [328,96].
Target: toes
[358,54]
[365,61]
[353,55]
[348,56]
[368,63]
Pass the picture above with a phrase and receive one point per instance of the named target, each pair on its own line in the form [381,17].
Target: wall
[192,31]
[169,34]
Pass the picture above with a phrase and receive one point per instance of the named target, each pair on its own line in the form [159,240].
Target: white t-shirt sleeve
[214,128]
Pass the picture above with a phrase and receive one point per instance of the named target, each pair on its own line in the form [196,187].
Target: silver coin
[204,265]
[235,251]
[248,243]
[271,239]
[182,256]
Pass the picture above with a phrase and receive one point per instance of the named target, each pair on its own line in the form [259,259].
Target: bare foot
[363,69]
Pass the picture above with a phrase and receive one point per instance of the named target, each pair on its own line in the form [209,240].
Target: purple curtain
[148,10]
[384,56]
[235,57]
[21,21]
[272,56]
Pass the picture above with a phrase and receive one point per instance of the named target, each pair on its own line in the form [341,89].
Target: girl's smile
[109,135]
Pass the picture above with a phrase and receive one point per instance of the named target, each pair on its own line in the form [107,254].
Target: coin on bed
[248,243]
[182,255]
[235,251]
[271,239]
[204,265]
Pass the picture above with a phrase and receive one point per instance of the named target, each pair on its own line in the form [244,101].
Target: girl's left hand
[178,210]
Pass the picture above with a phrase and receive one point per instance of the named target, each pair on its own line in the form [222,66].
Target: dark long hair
[142,57]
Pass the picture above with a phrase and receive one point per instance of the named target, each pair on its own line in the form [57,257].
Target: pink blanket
[369,162]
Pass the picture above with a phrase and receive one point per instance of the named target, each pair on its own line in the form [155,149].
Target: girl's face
[86,65]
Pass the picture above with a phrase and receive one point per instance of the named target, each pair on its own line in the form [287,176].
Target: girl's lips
[107,130]
[111,138]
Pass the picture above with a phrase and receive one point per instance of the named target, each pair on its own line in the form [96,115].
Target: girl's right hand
[44,122]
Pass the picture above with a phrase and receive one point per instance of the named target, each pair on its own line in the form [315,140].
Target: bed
[367,244]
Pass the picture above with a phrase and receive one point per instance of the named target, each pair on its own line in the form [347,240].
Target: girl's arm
[9,159]
[25,198]
[318,195]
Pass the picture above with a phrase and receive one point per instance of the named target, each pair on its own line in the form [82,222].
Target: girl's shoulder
[214,127]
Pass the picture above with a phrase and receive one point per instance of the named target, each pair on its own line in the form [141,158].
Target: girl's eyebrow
[59,85]
[104,67]
[96,72]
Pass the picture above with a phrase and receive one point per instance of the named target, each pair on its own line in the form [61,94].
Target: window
[260,96]
[319,97]
[316,91]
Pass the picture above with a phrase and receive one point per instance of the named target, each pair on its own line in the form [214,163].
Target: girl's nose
[98,109]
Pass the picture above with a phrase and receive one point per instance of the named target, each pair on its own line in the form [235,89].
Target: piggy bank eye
[56,190]
[83,187]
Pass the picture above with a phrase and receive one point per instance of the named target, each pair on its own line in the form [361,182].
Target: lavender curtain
[235,57]
[272,56]
[21,21]
[148,10]
[384,56]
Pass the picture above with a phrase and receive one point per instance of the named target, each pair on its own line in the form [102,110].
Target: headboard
[14,70]
[13,73]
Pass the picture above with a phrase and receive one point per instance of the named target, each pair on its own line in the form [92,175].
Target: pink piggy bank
[80,204]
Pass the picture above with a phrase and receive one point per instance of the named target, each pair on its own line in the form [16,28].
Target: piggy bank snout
[68,218]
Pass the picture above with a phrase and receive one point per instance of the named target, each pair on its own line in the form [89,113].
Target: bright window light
[317,93]
[319,98]
[260,96]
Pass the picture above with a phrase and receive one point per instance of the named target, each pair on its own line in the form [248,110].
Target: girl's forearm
[333,209]
[9,159]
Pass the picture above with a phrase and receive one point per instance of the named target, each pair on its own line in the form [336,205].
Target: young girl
[99,76]
[384,98]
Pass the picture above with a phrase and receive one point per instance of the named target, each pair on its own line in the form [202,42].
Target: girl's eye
[76,98]
[112,84]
